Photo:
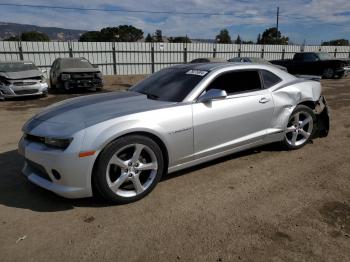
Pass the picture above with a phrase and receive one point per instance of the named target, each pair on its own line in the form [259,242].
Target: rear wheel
[300,128]
[128,169]
[328,73]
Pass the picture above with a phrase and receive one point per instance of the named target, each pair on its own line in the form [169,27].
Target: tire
[300,128]
[128,169]
[328,73]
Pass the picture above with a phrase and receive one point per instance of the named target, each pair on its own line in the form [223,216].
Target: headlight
[99,75]
[3,82]
[65,77]
[42,79]
[58,142]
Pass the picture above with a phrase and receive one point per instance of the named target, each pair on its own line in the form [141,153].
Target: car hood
[74,114]
[21,74]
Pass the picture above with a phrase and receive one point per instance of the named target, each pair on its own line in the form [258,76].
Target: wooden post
[185,53]
[152,57]
[114,59]
[20,49]
[70,49]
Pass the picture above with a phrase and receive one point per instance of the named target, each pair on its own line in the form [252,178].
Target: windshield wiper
[150,96]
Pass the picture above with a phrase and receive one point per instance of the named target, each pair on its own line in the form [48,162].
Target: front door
[241,118]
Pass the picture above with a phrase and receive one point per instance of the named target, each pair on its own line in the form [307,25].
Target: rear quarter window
[269,78]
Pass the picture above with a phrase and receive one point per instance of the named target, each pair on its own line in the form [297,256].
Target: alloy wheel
[299,128]
[131,170]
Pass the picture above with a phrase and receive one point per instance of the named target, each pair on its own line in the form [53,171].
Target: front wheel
[328,73]
[300,128]
[128,169]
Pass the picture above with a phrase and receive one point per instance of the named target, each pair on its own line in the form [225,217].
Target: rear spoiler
[310,77]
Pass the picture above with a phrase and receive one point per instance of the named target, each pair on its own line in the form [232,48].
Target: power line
[294,17]
[113,10]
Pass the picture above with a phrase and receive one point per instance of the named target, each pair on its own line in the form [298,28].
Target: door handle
[264,100]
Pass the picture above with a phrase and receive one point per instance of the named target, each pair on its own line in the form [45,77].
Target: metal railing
[145,58]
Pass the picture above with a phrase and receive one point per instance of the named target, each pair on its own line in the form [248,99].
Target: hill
[55,33]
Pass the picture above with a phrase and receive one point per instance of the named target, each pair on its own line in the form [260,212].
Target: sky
[311,21]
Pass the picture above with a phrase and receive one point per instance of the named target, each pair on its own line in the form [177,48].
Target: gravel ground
[260,205]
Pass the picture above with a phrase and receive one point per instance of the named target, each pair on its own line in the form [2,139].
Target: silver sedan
[21,78]
[119,144]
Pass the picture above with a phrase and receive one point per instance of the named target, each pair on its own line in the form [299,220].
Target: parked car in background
[255,60]
[208,60]
[121,143]
[311,63]
[21,78]
[68,73]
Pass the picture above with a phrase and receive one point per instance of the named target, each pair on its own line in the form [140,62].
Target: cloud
[244,17]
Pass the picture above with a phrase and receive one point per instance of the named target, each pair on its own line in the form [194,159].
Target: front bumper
[10,91]
[42,163]
[344,71]
[83,83]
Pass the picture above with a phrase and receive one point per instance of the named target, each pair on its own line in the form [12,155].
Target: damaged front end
[322,115]
[87,80]
[30,86]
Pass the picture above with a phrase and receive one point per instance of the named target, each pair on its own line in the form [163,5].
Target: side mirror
[212,94]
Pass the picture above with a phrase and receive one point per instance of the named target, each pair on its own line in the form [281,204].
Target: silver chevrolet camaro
[119,144]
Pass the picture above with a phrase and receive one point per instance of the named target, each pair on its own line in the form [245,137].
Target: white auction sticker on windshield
[197,72]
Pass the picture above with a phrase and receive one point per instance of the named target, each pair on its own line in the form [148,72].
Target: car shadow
[16,191]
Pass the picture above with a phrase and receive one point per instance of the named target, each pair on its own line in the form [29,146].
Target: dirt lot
[261,205]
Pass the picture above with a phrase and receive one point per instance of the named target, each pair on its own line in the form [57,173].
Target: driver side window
[237,82]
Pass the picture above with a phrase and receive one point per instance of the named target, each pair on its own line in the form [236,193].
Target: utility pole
[277,18]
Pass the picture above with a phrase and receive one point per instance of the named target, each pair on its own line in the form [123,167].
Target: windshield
[17,67]
[75,63]
[171,84]
[325,56]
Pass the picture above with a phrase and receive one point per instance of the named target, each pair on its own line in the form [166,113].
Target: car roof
[217,66]
[70,58]
[206,66]
[209,60]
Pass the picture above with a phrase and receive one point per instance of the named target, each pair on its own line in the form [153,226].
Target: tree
[158,36]
[238,40]
[249,42]
[34,36]
[223,37]
[91,36]
[128,33]
[273,37]
[179,39]
[122,33]
[336,42]
[12,38]
[148,38]
[258,40]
